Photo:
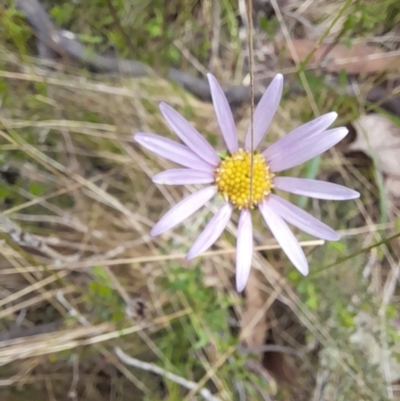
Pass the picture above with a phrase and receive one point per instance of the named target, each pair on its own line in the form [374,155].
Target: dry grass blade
[45,344]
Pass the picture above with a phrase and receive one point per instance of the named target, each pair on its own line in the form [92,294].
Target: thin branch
[64,43]
[149,367]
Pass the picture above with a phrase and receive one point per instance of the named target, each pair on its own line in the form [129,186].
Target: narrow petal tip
[138,136]
[154,232]
[163,105]
[303,269]
[240,285]
[241,282]
[332,115]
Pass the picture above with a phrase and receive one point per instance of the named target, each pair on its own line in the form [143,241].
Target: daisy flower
[230,177]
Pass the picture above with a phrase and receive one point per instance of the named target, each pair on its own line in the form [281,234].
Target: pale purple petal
[315,188]
[285,238]
[299,134]
[301,219]
[184,176]
[189,135]
[211,232]
[224,114]
[303,151]
[265,111]
[183,210]
[244,253]
[170,150]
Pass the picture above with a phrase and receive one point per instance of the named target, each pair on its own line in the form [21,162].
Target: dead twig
[149,367]
[64,43]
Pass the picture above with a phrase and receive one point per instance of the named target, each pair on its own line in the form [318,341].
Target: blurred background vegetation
[91,307]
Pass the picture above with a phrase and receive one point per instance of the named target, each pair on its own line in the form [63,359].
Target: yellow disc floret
[233,177]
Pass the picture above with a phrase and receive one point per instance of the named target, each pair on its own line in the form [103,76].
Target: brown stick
[63,43]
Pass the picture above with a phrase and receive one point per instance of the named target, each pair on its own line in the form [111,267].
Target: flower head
[247,179]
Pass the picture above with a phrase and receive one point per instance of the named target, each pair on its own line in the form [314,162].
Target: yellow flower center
[233,177]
